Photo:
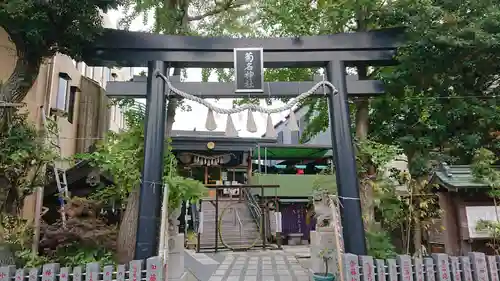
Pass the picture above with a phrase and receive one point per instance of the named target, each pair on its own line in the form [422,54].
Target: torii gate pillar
[152,188]
[345,161]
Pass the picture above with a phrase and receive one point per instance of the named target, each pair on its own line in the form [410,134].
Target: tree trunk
[125,247]
[17,86]
[128,225]
[4,193]
[418,223]
[366,188]
[417,236]
[170,115]
[6,255]
[172,104]
[362,121]
[9,197]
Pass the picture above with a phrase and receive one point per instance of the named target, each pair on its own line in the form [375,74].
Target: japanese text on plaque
[249,74]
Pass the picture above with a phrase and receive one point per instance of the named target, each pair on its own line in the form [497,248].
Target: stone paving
[260,266]
[301,252]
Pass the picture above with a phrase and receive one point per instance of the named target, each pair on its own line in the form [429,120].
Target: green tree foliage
[296,18]
[23,154]
[190,17]
[41,28]
[389,204]
[185,17]
[484,169]
[23,158]
[485,172]
[440,102]
[443,96]
[121,156]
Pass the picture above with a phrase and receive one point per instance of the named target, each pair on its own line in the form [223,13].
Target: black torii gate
[159,52]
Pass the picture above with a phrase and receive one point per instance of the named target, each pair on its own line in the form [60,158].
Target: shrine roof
[456,178]
[198,140]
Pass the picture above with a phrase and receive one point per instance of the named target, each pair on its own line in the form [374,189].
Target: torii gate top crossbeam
[125,48]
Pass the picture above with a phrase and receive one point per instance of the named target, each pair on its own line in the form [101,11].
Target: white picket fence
[439,267]
[152,270]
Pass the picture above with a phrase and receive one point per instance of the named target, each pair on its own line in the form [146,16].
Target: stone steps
[230,226]
[233,244]
[232,241]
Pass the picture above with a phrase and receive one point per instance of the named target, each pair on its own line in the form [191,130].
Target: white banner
[200,225]
[476,214]
[277,219]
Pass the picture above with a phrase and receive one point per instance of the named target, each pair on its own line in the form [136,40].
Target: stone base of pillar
[315,264]
[176,270]
[323,238]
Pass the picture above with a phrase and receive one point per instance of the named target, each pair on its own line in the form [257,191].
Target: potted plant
[191,240]
[326,255]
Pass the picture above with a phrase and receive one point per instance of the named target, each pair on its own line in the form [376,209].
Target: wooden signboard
[249,70]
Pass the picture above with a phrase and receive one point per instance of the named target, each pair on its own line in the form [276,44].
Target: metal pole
[216,218]
[38,193]
[277,211]
[265,160]
[347,177]
[258,157]
[198,243]
[262,218]
[150,200]
[163,247]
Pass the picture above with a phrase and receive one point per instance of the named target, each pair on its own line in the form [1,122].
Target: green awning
[287,152]
[295,200]
[319,167]
[291,186]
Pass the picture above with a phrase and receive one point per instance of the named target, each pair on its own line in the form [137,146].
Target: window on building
[124,123]
[82,67]
[122,120]
[302,127]
[107,74]
[97,75]
[89,72]
[71,103]
[62,92]
[294,137]
[280,137]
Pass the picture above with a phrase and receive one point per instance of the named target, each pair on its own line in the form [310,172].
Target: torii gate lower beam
[137,88]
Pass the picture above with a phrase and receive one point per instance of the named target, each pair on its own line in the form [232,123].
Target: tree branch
[218,10]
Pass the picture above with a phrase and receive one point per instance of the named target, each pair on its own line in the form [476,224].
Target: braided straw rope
[252,107]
